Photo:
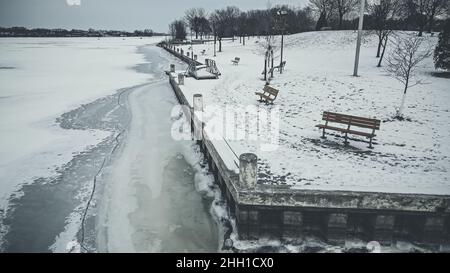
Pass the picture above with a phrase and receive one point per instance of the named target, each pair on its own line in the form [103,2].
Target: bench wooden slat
[339,116]
[353,120]
[269,94]
[271,90]
[343,130]
[350,120]
[355,123]
[331,114]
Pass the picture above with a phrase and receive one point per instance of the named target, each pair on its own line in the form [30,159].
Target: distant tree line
[419,15]
[43,32]
[232,22]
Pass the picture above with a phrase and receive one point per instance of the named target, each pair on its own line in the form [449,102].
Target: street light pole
[215,42]
[282,46]
[358,42]
[282,13]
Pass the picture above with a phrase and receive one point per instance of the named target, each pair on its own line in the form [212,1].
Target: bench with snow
[350,121]
[269,95]
[281,66]
[203,52]
[236,61]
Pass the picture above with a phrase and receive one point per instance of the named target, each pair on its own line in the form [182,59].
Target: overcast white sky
[113,14]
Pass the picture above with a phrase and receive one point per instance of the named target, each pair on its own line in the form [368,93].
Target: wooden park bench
[350,121]
[269,95]
[236,61]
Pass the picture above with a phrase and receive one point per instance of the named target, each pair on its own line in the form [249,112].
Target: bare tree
[424,12]
[403,61]
[435,8]
[194,17]
[218,29]
[326,9]
[178,30]
[268,47]
[242,27]
[268,43]
[383,15]
[204,27]
[232,16]
[224,22]
[344,7]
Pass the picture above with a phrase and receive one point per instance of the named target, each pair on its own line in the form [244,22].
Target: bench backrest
[237,59]
[352,120]
[271,91]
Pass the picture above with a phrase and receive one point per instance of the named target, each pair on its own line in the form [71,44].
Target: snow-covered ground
[409,156]
[40,79]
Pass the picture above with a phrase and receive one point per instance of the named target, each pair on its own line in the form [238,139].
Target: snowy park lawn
[408,157]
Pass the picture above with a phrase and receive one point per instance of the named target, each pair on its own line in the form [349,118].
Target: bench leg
[346,139]
[370,144]
[323,134]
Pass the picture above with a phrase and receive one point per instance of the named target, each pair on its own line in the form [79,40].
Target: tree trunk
[380,41]
[271,69]
[215,43]
[402,105]
[341,16]
[430,25]
[384,50]
[243,38]
[220,44]
[265,68]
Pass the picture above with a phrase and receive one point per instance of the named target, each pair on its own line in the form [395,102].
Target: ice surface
[151,202]
[47,78]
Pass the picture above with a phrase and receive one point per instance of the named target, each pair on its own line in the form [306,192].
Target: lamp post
[282,13]
[360,29]
[215,42]
[215,37]
[192,49]
[358,41]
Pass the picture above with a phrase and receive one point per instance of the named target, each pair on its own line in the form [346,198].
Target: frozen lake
[79,113]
